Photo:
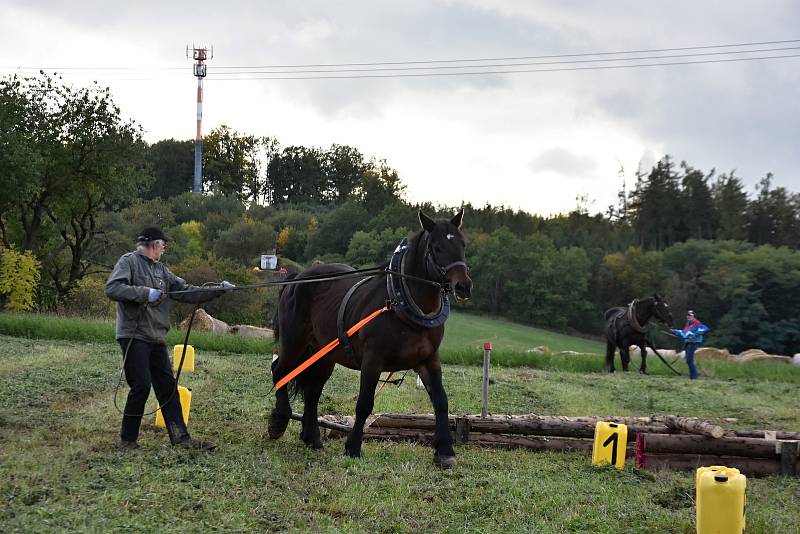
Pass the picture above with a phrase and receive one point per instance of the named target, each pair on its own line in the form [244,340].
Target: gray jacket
[129,285]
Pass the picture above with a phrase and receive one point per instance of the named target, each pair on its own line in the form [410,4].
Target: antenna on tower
[200,55]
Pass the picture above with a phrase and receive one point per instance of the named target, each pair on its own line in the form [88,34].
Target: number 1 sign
[610,443]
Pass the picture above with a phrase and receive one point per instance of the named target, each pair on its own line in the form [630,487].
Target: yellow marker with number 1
[610,444]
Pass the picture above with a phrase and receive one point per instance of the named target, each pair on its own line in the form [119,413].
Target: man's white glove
[154,295]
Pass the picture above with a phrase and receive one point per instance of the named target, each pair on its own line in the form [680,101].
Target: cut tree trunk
[688,462]
[693,426]
[691,444]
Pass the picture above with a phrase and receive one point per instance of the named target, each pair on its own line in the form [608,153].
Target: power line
[493,65]
[407,72]
[516,71]
[477,73]
[426,61]
[512,58]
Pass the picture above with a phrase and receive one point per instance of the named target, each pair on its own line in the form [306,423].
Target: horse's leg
[611,348]
[643,368]
[294,346]
[315,379]
[370,374]
[624,352]
[431,374]
[282,412]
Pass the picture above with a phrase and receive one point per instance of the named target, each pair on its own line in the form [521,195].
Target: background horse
[625,326]
[393,341]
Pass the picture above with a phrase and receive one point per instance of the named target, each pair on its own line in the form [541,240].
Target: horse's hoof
[445,462]
[274,434]
[352,452]
[314,445]
[643,371]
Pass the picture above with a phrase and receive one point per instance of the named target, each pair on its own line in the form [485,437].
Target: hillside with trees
[79,182]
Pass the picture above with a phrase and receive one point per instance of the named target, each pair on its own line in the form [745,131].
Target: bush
[245,240]
[88,299]
[253,306]
[19,277]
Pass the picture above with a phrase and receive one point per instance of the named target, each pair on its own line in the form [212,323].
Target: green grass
[59,470]
[463,345]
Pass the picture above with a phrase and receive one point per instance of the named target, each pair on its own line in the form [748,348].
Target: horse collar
[400,296]
[632,317]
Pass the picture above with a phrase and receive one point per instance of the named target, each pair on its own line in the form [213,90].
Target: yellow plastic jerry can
[610,443]
[186,403]
[720,500]
[188,361]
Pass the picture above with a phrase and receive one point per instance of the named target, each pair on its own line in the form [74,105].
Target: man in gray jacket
[140,284]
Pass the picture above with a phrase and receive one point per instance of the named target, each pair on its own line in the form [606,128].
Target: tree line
[79,182]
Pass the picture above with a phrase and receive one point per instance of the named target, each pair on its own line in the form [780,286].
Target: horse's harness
[399,295]
[630,314]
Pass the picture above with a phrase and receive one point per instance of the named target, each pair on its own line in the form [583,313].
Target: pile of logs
[660,442]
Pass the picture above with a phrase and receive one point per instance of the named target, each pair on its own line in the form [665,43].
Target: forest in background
[79,183]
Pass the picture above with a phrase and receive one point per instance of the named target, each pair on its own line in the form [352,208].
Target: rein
[319,278]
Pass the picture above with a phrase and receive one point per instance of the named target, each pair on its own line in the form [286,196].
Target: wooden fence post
[487,354]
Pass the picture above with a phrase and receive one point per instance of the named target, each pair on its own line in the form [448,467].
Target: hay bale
[753,355]
[712,353]
[203,321]
[539,350]
[745,355]
[250,331]
[635,352]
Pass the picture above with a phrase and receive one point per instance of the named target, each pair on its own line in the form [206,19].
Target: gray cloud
[564,162]
[734,115]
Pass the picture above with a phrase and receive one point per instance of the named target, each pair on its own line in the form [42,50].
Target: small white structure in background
[796,359]
[269,262]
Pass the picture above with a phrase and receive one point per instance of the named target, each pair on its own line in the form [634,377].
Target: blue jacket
[692,332]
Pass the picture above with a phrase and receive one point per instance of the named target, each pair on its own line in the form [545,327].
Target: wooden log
[532,443]
[753,467]
[536,426]
[788,455]
[693,426]
[692,444]
[767,434]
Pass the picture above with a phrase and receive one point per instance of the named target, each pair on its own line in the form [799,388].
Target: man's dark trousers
[148,364]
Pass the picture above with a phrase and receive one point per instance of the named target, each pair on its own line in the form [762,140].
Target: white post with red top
[487,354]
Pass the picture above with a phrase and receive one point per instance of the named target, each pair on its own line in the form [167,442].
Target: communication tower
[200,55]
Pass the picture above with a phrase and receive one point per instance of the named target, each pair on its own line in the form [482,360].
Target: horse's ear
[458,219]
[426,222]
[658,297]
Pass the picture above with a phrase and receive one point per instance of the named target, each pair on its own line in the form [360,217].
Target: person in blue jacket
[692,336]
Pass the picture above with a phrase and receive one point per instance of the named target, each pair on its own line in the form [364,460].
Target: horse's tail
[275,330]
[294,386]
[297,385]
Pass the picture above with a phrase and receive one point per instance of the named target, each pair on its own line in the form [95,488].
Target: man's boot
[125,445]
[179,437]
[189,443]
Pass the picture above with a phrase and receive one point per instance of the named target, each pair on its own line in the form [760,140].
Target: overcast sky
[532,140]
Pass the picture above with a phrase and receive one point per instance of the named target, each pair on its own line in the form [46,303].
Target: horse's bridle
[430,261]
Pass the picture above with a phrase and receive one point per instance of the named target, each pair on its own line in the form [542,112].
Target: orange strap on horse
[327,348]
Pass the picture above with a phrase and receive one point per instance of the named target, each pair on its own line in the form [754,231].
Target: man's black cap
[152,233]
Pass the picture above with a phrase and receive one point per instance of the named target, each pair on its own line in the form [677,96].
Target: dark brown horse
[626,326]
[406,337]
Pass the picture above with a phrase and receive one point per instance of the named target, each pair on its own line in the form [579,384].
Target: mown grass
[463,345]
[60,471]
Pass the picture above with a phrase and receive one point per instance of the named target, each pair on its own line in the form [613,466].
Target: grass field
[60,471]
